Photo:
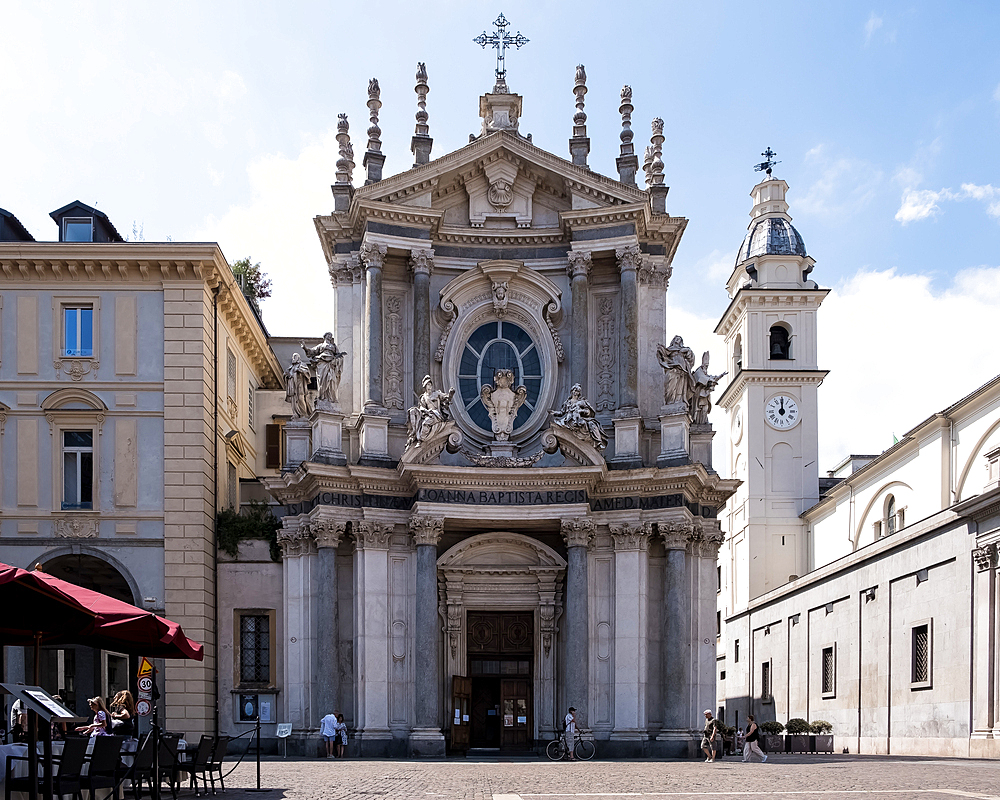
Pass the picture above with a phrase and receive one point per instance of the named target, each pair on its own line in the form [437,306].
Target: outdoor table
[21,767]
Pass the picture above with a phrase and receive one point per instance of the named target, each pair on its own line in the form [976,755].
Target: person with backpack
[753,736]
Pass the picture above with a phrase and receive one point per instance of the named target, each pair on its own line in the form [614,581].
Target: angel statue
[502,403]
[329,364]
[297,378]
[432,409]
[704,384]
[677,361]
[577,415]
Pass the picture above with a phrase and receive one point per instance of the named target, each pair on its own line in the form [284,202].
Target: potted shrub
[771,739]
[798,735]
[821,736]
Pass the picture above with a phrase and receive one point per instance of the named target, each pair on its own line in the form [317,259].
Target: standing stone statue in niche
[328,362]
[704,385]
[433,408]
[577,415]
[297,378]
[502,403]
[678,362]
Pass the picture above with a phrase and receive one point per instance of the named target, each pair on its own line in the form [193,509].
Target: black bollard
[257,734]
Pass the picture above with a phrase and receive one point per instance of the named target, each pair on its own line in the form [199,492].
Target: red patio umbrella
[40,609]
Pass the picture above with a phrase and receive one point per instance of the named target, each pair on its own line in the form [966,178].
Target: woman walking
[751,746]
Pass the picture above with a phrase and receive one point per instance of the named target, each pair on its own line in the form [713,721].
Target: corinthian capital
[631,535]
[629,258]
[579,264]
[426,530]
[985,557]
[422,261]
[370,535]
[373,255]
[578,532]
[328,532]
[675,534]
[295,537]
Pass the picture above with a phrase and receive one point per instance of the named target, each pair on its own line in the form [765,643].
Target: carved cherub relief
[502,403]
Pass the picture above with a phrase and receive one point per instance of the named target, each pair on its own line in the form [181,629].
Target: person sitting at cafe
[101,724]
[123,714]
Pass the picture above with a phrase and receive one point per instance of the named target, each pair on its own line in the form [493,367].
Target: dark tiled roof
[771,236]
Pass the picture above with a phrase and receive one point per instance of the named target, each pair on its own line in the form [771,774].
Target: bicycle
[558,749]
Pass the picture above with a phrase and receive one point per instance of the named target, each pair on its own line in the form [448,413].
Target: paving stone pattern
[788,776]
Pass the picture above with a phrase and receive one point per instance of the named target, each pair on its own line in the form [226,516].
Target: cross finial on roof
[501,40]
[768,163]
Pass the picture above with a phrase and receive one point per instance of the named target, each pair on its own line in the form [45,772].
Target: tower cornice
[767,298]
[769,377]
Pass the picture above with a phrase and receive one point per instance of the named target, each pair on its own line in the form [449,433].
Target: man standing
[708,737]
[571,732]
[328,730]
[753,736]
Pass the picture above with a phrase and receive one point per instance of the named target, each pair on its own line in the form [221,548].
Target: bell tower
[771,342]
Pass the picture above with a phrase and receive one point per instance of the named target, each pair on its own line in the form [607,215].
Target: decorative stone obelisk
[421,143]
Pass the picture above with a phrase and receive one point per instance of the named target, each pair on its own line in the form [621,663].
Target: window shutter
[272,446]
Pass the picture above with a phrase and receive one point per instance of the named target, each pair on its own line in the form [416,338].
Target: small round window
[493,346]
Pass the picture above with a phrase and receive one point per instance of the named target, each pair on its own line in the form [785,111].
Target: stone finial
[420,144]
[647,163]
[654,177]
[627,162]
[374,158]
[579,144]
[345,164]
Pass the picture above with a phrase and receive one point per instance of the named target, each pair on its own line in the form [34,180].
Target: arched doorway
[77,672]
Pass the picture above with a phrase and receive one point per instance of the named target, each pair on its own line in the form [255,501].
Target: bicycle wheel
[555,749]
[585,749]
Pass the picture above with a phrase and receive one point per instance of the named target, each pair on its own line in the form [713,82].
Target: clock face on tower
[781,412]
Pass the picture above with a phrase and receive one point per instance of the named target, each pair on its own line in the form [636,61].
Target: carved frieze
[578,532]
[75,527]
[426,530]
[77,369]
[607,349]
[630,535]
[394,324]
[369,535]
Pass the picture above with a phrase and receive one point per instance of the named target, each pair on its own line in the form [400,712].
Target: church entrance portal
[501,655]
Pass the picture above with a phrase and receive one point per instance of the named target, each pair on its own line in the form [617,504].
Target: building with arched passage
[866,598]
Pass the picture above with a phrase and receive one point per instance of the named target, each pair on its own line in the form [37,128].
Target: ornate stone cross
[501,40]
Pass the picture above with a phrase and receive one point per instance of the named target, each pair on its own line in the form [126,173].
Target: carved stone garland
[607,347]
[393,391]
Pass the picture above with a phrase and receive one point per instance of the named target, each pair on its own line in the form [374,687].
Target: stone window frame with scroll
[74,409]
[75,366]
[238,682]
[928,680]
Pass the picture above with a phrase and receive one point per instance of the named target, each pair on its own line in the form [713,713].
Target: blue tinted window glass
[516,336]
[531,362]
[482,335]
[480,416]
[86,331]
[78,439]
[499,355]
[72,325]
[81,231]
[470,363]
[468,387]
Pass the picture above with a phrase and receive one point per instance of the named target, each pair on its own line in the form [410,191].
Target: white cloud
[716,267]
[275,227]
[873,24]
[920,204]
[839,184]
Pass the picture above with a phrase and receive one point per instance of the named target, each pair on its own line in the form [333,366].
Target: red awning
[34,603]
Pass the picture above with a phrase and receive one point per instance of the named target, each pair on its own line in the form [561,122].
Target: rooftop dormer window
[78,229]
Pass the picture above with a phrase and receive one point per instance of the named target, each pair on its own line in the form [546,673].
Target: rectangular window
[718,624]
[829,680]
[255,648]
[78,470]
[250,407]
[736,651]
[877,526]
[718,584]
[920,655]
[765,681]
[272,446]
[231,372]
[234,487]
[78,229]
[78,331]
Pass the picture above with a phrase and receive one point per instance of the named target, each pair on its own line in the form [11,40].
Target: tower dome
[771,236]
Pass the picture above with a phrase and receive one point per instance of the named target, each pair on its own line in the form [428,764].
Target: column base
[426,742]
[676,743]
[628,735]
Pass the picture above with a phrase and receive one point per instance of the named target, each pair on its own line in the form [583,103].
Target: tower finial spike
[374,158]
[627,162]
[345,164]
[421,143]
[579,144]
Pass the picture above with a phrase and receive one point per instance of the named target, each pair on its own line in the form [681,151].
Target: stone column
[298,550]
[627,419]
[328,534]
[579,270]
[549,717]
[426,739]
[373,257]
[577,534]
[631,542]
[676,639]
[371,632]
[422,264]
[704,552]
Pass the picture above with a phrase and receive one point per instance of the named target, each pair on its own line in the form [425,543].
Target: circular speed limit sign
[142,708]
[145,684]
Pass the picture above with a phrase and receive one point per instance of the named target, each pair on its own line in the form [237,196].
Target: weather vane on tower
[768,163]
[501,40]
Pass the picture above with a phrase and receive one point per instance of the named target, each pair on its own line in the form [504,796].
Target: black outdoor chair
[142,767]
[171,762]
[105,764]
[215,765]
[66,781]
[200,764]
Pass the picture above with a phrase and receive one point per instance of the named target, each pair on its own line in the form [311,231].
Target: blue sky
[215,121]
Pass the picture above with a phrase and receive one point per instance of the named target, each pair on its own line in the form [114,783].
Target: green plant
[771,727]
[797,726]
[256,522]
[253,281]
[820,726]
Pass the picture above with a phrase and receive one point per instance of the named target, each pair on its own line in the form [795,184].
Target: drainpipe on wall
[215,497]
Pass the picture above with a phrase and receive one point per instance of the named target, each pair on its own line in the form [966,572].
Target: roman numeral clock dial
[781,412]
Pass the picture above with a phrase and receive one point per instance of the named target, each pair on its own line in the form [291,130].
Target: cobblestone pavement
[787,777]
